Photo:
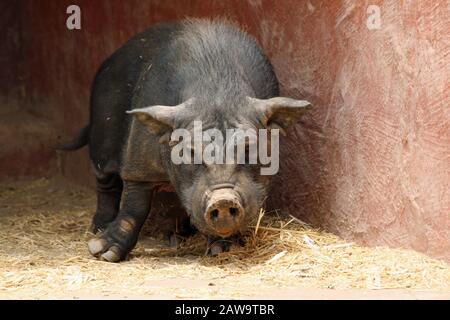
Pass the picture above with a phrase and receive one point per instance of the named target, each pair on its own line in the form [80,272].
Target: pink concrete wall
[370,163]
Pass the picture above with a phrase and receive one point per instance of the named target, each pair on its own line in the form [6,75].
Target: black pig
[168,76]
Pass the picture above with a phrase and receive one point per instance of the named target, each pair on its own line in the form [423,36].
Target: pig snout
[224,211]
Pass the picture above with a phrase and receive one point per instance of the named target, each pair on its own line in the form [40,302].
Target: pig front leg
[119,238]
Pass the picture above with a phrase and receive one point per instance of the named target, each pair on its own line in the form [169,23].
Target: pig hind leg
[109,191]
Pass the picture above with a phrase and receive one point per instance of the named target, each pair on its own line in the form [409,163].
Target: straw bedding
[43,254]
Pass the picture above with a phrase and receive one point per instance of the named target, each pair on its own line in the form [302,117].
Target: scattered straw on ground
[43,254]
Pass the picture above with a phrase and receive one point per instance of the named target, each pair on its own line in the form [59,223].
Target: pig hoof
[174,241]
[113,244]
[217,247]
[96,246]
[111,255]
[102,249]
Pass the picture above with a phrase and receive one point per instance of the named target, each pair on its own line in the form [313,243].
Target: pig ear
[279,112]
[160,119]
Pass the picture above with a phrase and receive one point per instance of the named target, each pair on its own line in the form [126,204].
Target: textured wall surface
[370,163]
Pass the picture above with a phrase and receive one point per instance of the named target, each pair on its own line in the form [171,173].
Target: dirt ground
[43,255]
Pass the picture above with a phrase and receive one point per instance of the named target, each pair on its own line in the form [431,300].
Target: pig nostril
[214,214]
[234,212]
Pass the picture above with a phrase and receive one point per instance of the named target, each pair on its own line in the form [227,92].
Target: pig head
[220,197]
